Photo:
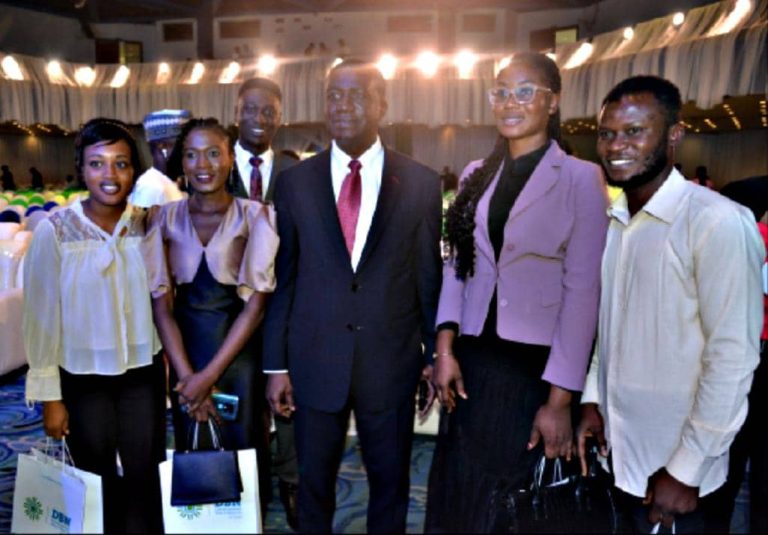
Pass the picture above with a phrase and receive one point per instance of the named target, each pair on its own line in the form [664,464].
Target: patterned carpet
[21,429]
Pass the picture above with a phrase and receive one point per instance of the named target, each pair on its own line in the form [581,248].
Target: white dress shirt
[154,188]
[244,167]
[87,305]
[680,318]
[372,167]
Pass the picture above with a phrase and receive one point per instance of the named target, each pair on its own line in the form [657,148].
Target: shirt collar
[243,156]
[663,204]
[366,159]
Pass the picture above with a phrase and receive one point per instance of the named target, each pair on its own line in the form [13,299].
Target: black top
[514,176]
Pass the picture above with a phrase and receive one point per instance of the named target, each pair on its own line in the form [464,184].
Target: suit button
[503,302]
[350,327]
[511,247]
[355,287]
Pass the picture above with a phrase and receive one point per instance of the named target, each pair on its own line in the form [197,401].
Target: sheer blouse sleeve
[42,315]
[257,269]
[154,253]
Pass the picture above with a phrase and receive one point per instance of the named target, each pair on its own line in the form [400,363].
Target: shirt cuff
[448,326]
[271,372]
[689,466]
[43,384]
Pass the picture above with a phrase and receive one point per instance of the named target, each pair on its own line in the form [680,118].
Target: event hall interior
[63,62]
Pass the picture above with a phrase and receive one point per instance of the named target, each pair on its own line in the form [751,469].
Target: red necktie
[348,205]
[256,194]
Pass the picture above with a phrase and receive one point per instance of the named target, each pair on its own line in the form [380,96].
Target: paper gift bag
[227,517]
[51,496]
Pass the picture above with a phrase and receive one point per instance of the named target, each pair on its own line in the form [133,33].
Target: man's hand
[591,425]
[447,375]
[280,394]
[55,419]
[426,379]
[553,423]
[668,497]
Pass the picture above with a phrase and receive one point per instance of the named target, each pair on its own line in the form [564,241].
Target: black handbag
[205,476]
[558,499]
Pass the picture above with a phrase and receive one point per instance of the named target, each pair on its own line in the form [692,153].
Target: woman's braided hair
[460,217]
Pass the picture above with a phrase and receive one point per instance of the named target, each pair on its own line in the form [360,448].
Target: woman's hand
[55,419]
[447,377]
[446,374]
[194,389]
[553,423]
[205,409]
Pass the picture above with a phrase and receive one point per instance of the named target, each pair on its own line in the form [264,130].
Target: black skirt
[481,445]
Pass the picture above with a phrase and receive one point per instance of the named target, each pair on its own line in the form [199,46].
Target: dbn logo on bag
[33,509]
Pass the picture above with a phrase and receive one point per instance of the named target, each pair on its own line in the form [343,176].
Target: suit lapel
[544,177]
[277,166]
[325,203]
[236,186]
[385,205]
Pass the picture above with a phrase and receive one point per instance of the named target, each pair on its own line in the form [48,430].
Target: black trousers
[122,414]
[385,440]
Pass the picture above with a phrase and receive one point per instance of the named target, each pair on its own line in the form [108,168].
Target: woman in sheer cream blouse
[94,356]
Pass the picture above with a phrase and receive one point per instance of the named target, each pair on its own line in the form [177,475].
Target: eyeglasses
[523,93]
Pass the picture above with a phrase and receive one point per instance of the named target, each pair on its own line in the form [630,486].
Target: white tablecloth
[12,353]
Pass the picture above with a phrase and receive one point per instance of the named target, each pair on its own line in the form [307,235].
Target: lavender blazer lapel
[544,177]
[483,245]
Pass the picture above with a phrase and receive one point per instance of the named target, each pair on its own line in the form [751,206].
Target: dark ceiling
[147,11]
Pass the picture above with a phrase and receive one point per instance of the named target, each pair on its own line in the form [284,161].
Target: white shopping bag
[232,517]
[51,495]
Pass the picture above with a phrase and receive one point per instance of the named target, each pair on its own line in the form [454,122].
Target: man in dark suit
[259,113]
[351,324]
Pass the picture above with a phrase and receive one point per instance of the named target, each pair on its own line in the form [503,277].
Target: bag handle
[657,526]
[213,429]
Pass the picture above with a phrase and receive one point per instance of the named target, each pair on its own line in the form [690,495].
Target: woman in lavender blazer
[519,302]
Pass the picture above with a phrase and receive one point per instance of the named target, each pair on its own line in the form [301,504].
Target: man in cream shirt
[680,319]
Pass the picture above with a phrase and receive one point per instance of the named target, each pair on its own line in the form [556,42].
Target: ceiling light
[629,33]
[163,73]
[85,76]
[428,62]
[465,62]
[197,73]
[387,65]
[581,55]
[267,64]
[678,18]
[502,64]
[725,25]
[11,68]
[230,73]
[120,77]
[55,72]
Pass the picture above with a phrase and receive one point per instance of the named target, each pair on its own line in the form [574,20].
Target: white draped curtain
[705,67]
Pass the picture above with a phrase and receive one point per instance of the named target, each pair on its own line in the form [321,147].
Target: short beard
[658,162]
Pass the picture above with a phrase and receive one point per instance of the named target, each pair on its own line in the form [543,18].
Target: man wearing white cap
[161,128]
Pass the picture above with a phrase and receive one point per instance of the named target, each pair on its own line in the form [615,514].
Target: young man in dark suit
[351,324]
[259,113]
